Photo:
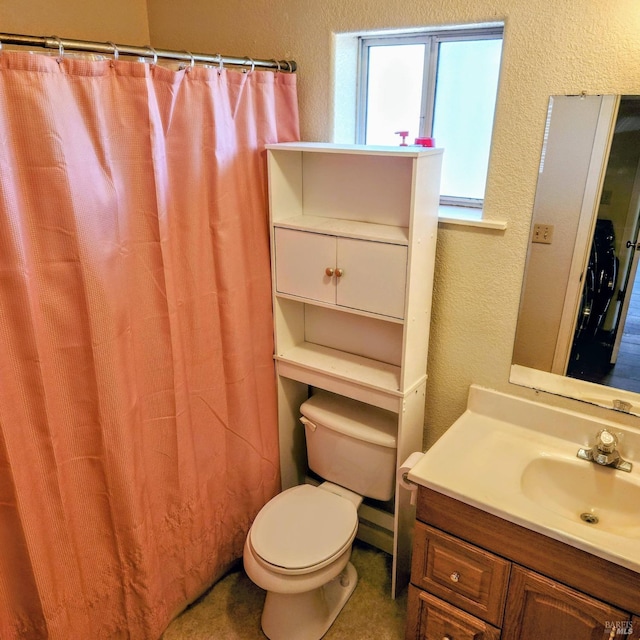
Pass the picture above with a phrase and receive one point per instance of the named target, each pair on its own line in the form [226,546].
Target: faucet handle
[606,442]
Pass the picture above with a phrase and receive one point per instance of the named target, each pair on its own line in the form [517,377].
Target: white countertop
[490,456]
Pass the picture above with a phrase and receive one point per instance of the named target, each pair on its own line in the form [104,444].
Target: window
[435,84]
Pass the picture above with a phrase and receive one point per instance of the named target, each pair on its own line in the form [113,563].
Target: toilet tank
[351,444]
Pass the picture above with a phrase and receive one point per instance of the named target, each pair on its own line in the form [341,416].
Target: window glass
[394,92]
[466,86]
[436,84]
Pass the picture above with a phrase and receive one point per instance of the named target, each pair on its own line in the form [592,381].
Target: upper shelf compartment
[352,190]
[347,228]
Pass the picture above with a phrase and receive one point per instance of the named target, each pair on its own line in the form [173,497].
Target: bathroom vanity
[496,558]
[477,576]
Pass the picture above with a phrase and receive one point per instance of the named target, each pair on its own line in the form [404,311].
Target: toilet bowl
[299,545]
[298,550]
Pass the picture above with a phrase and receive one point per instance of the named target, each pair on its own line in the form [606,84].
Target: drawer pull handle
[339,273]
[329,271]
[455,576]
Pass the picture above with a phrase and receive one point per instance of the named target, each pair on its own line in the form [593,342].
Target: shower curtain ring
[253,65]
[277,63]
[116,52]
[155,54]
[220,65]
[60,48]
[193,60]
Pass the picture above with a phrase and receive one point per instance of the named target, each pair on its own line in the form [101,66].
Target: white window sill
[467,217]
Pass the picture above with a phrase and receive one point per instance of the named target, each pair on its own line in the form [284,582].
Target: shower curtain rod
[62,44]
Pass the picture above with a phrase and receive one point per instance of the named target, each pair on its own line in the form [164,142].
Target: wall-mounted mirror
[578,330]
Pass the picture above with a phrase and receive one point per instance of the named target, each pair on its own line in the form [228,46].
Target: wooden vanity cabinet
[476,576]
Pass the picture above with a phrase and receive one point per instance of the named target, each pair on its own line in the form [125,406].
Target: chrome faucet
[605,452]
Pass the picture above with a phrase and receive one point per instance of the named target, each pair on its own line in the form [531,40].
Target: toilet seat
[303,529]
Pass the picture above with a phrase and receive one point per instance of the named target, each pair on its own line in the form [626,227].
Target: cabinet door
[301,259]
[374,276]
[538,607]
[429,618]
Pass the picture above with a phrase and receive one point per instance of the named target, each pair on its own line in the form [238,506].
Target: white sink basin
[585,492]
[517,460]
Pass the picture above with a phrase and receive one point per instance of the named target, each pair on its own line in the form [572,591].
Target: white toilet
[299,545]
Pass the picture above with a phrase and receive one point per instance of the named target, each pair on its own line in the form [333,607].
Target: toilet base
[308,615]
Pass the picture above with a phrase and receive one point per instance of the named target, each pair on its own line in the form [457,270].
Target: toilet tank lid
[352,418]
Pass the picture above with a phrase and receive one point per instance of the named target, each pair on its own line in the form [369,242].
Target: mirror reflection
[579,317]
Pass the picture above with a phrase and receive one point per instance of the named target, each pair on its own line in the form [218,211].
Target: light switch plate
[542,233]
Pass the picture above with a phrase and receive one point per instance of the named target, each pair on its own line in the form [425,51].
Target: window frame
[431,39]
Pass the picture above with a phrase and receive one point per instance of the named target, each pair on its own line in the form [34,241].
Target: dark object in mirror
[593,344]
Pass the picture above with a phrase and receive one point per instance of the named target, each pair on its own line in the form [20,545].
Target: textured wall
[122,21]
[557,47]
[564,46]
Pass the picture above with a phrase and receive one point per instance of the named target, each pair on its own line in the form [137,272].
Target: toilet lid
[302,527]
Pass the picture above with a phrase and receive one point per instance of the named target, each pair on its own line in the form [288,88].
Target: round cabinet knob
[339,273]
[447,637]
[455,576]
[329,271]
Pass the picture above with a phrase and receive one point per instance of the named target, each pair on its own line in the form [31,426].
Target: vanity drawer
[468,577]
[429,618]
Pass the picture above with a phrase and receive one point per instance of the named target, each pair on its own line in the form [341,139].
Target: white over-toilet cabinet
[353,236]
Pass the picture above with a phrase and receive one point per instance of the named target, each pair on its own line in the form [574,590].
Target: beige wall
[566,46]
[121,21]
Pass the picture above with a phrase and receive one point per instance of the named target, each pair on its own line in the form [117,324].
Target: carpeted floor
[231,609]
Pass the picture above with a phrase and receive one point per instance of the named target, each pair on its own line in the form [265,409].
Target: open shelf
[326,305]
[353,376]
[353,149]
[347,228]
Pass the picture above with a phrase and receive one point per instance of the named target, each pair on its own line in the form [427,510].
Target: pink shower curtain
[138,434]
